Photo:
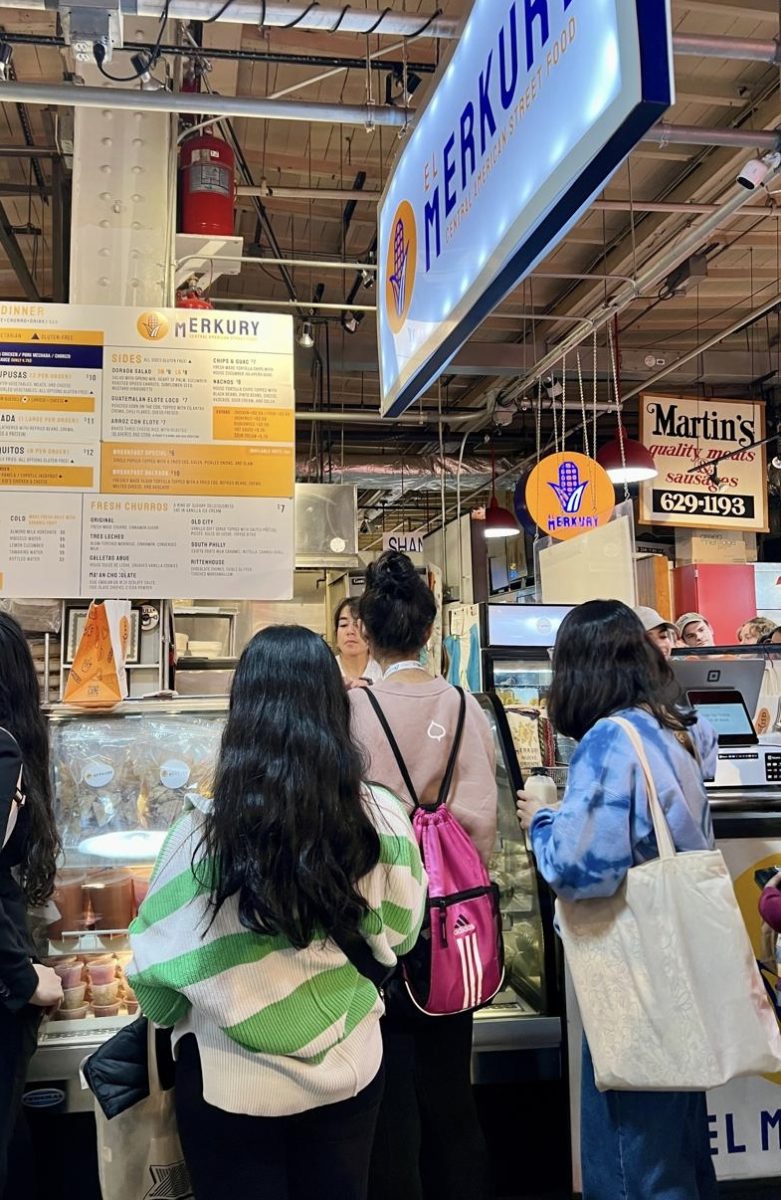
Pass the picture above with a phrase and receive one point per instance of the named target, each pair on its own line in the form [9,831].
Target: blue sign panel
[539,104]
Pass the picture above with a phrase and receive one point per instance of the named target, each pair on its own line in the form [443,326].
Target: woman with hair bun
[428,1141]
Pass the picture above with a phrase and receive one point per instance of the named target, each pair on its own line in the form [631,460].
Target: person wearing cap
[660,633]
[695,630]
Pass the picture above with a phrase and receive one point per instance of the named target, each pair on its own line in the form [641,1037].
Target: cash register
[726,693]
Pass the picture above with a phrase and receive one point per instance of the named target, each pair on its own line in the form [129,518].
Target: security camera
[756,171]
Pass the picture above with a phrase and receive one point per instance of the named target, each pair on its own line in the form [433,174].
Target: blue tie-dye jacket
[603,826]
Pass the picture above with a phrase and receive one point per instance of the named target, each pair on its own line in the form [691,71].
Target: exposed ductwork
[423,474]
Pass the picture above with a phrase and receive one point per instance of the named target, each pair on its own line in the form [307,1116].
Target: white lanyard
[409,665]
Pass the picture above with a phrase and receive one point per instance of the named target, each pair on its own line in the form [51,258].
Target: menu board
[146,451]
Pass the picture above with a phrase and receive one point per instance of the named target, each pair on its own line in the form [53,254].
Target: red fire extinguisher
[191,296]
[206,185]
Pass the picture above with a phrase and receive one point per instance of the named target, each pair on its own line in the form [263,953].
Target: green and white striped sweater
[279,1030]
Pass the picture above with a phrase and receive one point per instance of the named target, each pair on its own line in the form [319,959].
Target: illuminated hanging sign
[539,104]
[568,494]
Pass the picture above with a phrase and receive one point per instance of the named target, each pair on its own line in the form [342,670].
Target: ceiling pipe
[653,274]
[319,17]
[196,103]
[262,302]
[298,110]
[694,135]
[270,192]
[316,263]
[341,417]
[217,53]
[736,327]
[702,45]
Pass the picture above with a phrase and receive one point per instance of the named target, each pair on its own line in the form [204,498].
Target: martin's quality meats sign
[712,472]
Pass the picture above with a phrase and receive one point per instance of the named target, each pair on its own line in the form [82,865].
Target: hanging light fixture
[627,460]
[499,522]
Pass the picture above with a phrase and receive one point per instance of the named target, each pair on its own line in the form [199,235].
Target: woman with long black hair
[649,1144]
[253,939]
[28,855]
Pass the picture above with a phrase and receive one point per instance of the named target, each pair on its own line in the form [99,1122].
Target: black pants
[322,1154]
[428,1144]
[18,1039]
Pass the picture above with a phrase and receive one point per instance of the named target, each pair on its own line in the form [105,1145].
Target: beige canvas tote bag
[665,976]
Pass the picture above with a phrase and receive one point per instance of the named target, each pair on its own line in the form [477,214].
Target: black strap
[358,952]
[447,778]
[394,745]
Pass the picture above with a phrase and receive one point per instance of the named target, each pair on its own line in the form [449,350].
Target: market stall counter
[121,779]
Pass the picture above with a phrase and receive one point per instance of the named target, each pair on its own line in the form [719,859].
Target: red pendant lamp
[626,460]
[499,522]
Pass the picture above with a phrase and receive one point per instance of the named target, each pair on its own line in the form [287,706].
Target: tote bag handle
[151,1055]
[664,839]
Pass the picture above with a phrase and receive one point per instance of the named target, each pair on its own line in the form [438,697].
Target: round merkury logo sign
[568,494]
[400,266]
[153,326]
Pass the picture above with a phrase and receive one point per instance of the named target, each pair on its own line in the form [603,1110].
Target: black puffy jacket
[118,1071]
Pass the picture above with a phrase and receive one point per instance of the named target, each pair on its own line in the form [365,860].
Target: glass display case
[120,780]
[122,777]
[529,940]
[516,642]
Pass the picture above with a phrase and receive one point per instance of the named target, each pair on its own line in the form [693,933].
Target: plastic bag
[35,616]
[177,761]
[139,1152]
[96,779]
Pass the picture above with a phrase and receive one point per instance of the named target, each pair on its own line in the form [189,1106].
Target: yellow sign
[162,469]
[401,266]
[568,494]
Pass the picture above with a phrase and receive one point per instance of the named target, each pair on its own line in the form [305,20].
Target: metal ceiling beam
[13,252]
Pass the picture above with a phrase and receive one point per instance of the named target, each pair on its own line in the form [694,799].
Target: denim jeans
[644,1145]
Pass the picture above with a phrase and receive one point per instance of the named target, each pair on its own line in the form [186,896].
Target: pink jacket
[423,720]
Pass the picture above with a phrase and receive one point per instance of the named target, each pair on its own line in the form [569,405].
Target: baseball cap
[651,619]
[687,619]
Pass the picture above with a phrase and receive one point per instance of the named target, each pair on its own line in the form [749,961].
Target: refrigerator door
[524,899]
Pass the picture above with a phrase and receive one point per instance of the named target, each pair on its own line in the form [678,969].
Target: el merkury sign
[538,105]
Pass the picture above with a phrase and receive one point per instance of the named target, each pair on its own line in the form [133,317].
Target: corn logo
[153,326]
[124,635]
[401,266]
[567,494]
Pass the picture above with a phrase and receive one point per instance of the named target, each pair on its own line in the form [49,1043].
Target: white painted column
[124,193]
